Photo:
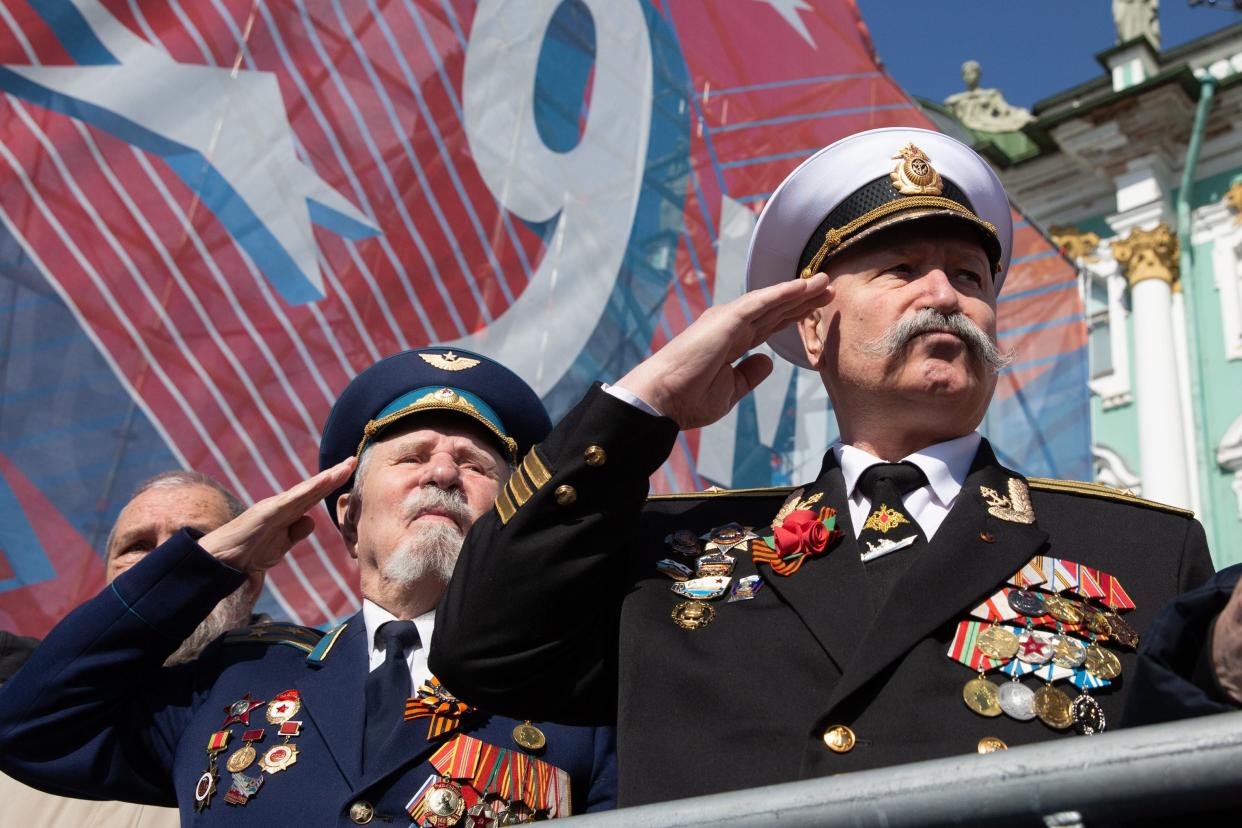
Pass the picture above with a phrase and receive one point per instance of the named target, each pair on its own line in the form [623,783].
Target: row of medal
[1008,636]
[713,556]
[276,758]
[486,787]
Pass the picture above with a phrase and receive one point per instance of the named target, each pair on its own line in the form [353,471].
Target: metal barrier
[1178,769]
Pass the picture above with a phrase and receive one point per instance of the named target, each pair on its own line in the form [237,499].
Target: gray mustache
[452,502]
[929,320]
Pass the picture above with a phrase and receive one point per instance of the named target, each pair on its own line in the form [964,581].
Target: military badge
[239,711]
[914,175]
[693,615]
[205,787]
[714,563]
[244,755]
[243,788]
[685,543]
[885,518]
[449,361]
[284,707]
[673,569]
[1015,508]
[744,589]
[702,589]
[279,757]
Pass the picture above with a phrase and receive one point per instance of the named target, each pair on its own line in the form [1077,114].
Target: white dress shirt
[945,464]
[373,615]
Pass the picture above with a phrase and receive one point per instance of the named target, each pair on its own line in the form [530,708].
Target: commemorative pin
[702,589]
[278,757]
[284,707]
[745,588]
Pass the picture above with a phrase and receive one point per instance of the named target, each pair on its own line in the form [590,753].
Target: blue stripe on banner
[699,273]
[1033,257]
[1026,294]
[784,84]
[1039,326]
[751,199]
[74,33]
[765,159]
[20,545]
[808,116]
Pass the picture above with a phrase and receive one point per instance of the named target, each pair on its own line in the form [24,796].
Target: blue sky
[1029,49]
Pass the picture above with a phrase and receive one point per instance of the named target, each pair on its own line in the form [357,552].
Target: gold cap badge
[449,361]
[914,174]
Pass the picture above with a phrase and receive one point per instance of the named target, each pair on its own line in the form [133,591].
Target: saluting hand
[259,537]
[693,380]
[1227,646]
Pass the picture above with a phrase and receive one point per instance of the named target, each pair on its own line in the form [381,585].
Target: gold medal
[997,642]
[1068,652]
[1121,630]
[982,697]
[1101,663]
[1053,707]
[1097,622]
[240,759]
[529,737]
[693,615]
[445,804]
[1063,609]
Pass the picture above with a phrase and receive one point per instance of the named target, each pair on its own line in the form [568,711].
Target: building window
[1107,307]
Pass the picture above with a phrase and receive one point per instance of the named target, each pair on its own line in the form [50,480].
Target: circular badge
[1068,652]
[1017,701]
[727,535]
[1065,610]
[990,744]
[240,759]
[693,615]
[284,707]
[1026,602]
[204,789]
[529,737]
[278,757]
[445,804]
[1034,647]
[997,642]
[982,697]
[1102,663]
[1053,707]
[1088,715]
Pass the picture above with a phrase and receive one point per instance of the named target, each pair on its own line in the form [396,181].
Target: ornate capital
[1148,254]
[1076,244]
[1234,198]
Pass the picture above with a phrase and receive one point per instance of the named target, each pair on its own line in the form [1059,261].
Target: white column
[1180,325]
[1161,426]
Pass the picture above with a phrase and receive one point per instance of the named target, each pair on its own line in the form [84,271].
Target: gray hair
[175,479]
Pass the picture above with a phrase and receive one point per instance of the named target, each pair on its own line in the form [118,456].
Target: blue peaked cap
[432,380]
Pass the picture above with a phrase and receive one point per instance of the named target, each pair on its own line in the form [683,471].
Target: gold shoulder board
[1104,492]
[291,635]
[715,493]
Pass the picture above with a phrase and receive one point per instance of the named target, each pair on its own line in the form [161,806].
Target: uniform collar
[374,616]
[946,464]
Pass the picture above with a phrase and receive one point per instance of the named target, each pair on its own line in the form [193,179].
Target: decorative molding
[1078,245]
[1111,470]
[1234,198]
[1229,456]
[1148,254]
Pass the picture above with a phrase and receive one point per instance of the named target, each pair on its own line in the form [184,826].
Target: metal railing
[1178,769]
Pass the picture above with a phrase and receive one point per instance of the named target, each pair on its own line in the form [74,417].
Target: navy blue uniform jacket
[93,714]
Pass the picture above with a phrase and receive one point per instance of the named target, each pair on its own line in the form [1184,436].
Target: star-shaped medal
[239,711]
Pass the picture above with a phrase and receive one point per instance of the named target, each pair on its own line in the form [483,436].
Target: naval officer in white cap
[914,600]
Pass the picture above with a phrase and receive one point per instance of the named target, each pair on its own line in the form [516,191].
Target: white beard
[430,553]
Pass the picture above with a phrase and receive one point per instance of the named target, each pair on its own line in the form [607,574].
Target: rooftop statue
[984,109]
[1137,18]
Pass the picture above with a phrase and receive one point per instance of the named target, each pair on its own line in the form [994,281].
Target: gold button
[361,812]
[990,744]
[839,739]
[566,495]
[987,537]
[595,456]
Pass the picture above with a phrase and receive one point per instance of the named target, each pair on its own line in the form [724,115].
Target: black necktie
[889,525]
[388,686]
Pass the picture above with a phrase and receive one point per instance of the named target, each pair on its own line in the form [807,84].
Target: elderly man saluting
[284,725]
[917,599]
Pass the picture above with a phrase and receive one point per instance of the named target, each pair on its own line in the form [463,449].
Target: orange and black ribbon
[444,709]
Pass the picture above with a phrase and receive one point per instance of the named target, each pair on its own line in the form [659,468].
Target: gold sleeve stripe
[775,491]
[1101,491]
[535,469]
[517,485]
[504,506]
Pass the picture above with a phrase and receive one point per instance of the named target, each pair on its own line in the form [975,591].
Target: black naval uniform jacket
[93,714]
[556,611]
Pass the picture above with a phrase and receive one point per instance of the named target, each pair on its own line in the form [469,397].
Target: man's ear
[813,328]
[347,518]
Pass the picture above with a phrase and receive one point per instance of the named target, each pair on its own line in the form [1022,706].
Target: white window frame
[1113,389]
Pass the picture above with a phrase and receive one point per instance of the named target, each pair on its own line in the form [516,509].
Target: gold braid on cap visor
[836,235]
[437,401]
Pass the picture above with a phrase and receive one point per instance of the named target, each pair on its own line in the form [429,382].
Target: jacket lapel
[829,593]
[972,554]
[331,691]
